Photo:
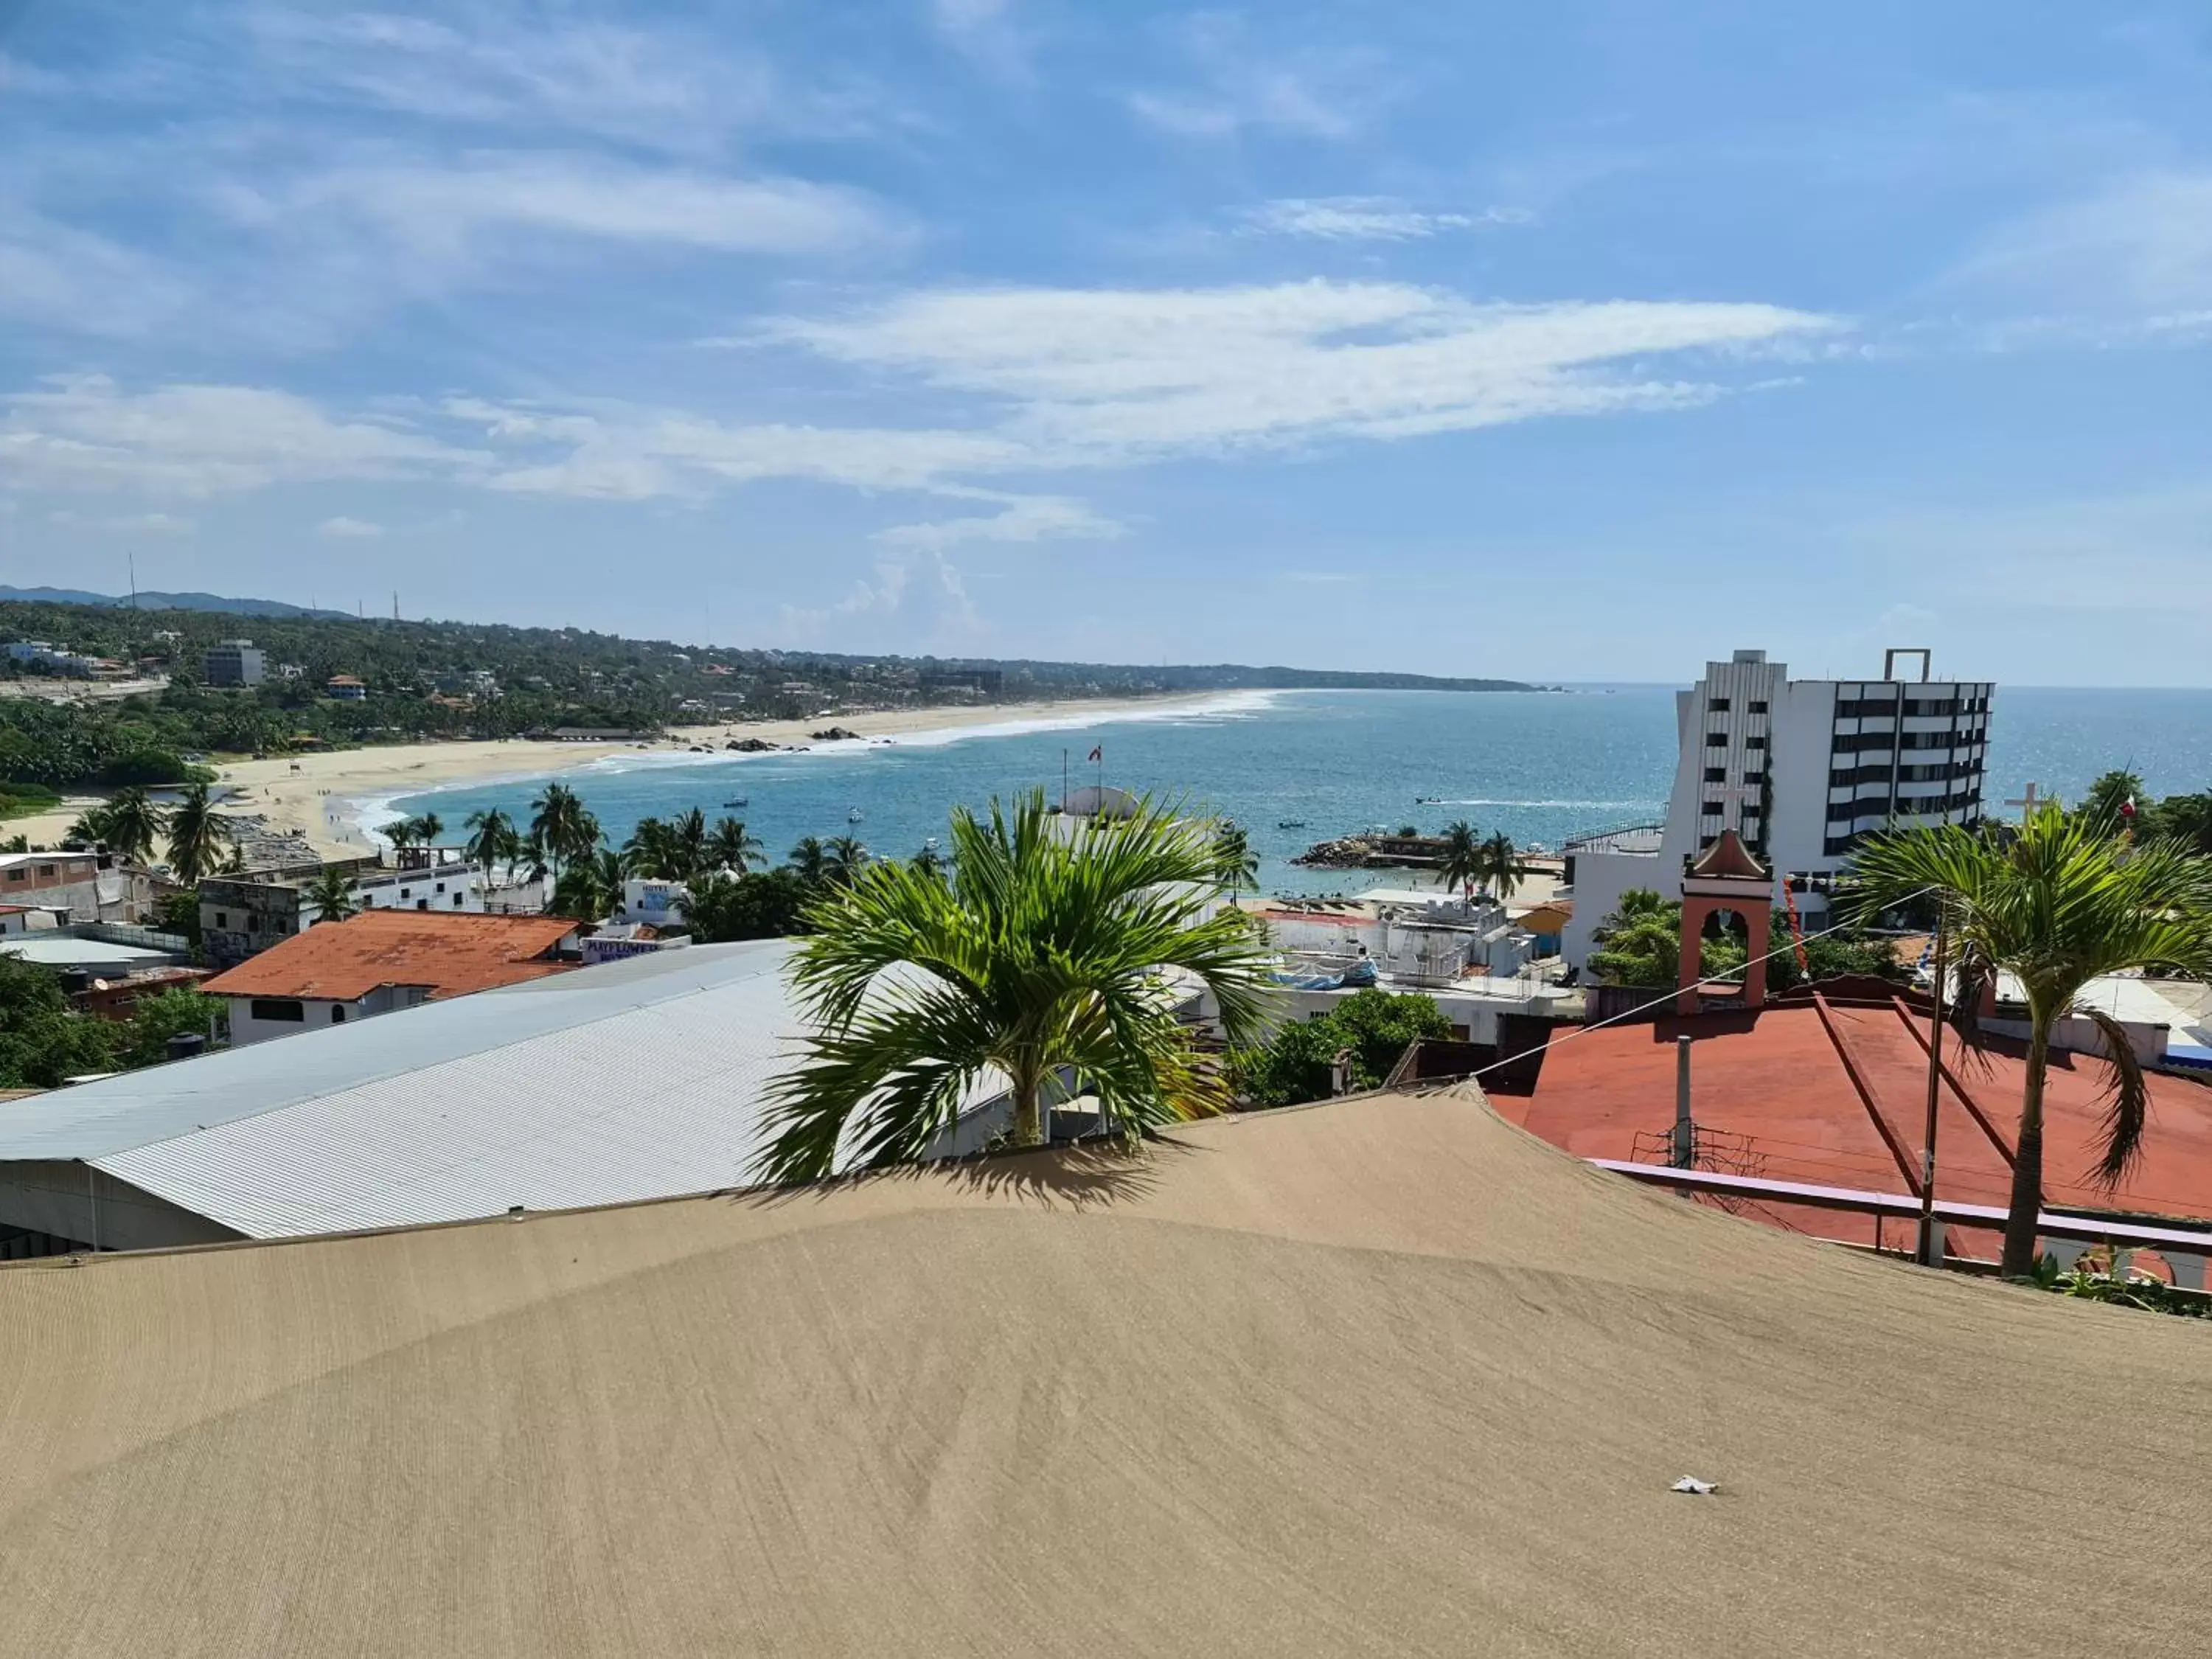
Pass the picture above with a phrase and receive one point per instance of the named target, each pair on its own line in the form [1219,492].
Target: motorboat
[1289,823]
[742,800]
[852,817]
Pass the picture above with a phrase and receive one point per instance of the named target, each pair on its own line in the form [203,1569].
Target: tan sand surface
[313,800]
[1386,1376]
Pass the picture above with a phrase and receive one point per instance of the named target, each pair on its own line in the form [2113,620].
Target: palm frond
[2126,1096]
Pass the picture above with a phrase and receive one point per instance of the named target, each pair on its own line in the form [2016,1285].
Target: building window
[1715,739]
[337,1013]
[1754,777]
[1757,707]
[1754,743]
[1713,809]
[456,901]
[19,874]
[441,886]
[1716,774]
[1716,705]
[222,919]
[284,1008]
[422,904]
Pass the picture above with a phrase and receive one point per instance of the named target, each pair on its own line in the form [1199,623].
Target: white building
[235,662]
[1803,769]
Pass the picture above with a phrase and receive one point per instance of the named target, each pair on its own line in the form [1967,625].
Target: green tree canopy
[1375,1026]
[43,1041]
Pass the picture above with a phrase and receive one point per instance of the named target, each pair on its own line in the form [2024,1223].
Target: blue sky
[1573,341]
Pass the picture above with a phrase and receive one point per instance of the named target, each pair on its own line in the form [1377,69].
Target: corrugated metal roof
[635,1079]
[137,1109]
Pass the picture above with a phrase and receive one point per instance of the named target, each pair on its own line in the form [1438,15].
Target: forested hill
[464,679]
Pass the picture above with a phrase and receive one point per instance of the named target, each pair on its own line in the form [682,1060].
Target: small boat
[741,800]
[852,817]
[1289,823]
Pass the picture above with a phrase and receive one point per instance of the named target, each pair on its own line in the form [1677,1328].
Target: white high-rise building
[1802,770]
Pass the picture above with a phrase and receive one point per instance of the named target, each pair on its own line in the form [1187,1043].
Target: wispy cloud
[139,524]
[1022,519]
[1364,219]
[345,529]
[1238,84]
[2141,246]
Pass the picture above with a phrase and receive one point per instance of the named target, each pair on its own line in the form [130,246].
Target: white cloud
[1103,376]
[1239,85]
[345,529]
[2143,245]
[86,433]
[1279,100]
[886,592]
[144,524]
[1363,218]
[1022,518]
[53,275]
[441,208]
[666,87]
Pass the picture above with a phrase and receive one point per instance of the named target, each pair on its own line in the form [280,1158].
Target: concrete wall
[75,1202]
[318,1013]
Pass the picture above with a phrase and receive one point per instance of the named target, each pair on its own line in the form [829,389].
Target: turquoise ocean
[1295,768]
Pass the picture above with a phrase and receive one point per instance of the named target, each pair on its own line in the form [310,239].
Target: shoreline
[330,797]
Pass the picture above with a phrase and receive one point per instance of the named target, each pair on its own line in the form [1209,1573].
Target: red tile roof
[1783,1080]
[454,954]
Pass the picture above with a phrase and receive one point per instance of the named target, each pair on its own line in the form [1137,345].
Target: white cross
[1736,793]
[2029,801]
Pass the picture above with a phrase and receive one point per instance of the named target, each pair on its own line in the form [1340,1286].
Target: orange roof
[454,954]
[1783,1080]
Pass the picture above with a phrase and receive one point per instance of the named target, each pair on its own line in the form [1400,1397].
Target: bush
[43,1041]
[146,766]
[1378,1028]
[765,905]
[155,1019]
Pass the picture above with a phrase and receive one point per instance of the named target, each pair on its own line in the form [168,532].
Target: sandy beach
[312,794]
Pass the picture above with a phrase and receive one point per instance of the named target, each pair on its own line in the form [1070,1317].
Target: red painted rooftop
[1783,1080]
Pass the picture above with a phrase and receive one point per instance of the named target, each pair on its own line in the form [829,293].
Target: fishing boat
[852,817]
[1289,823]
[741,800]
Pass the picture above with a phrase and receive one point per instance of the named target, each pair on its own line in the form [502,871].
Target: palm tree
[127,823]
[495,840]
[427,828]
[2055,902]
[652,851]
[197,835]
[1502,869]
[729,846]
[1041,955]
[1239,867]
[933,864]
[1462,865]
[401,833]
[688,837]
[331,894]
[811,860]
[590,887]
[563,826]
[843,858]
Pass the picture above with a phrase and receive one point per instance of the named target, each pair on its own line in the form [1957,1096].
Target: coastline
[326,799]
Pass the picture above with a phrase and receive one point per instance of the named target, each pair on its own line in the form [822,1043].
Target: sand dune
[1382,1378]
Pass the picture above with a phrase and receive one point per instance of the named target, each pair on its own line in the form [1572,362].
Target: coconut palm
[1502,869]
[127,823]
[427,828]
[843,858]
[811,860]
[401,833]
[2055,903]
[494,840]
[1043,955]
[729,846]
[652,851]
[688,834]
[563,826]
[1462,865]
[590,887]
[1240,867]
[197,835]
[331,894]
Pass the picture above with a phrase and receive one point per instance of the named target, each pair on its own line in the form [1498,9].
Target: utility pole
[1929,1253]
[1682,1148]
[134,581]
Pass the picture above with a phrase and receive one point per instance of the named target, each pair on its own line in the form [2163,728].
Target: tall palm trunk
[2027,1163]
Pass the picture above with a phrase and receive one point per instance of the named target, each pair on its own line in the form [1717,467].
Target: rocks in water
[751,746]
[835,734]
[1373,852]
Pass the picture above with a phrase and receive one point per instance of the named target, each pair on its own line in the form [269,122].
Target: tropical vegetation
[1460,863]
[44,1041]
[197,835]
[2052,902]
[127,823]
[331,894]
[1372,1028]
[1038,966]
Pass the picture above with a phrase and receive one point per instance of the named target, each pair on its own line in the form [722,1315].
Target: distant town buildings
[73,886]
[1803,769]
[241,916]
[344,688]
[234,662]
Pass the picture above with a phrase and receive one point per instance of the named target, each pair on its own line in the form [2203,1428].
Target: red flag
[1099,753]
